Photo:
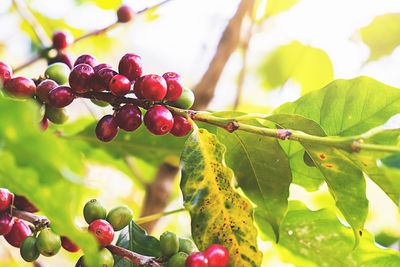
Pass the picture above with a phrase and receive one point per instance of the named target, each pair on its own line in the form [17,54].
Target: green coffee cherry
[56,115]
[94,210]
[99,103]
[169,243]
[106,258]
[178,260]
[48,243]
[28,250]
[58,72]
[185,101]
[119,217]
[187,245]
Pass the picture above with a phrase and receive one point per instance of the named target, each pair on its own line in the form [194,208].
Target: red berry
[80,78]
[137,88]
[61,96]
[103,231]
[129,117]
[62,40]
[125,14]
[22,203]
[44,123]
[130,66]
[60,57]
[18,233]
[5,73]
[101,66]
[102,79]
[153,87]
[196,259]
[181,127]
[217,256]
[107,128]
[158,120]
[68,245]
[119,85]
[6,223]
[21,87]
[43,89]
[174,85]
[5,199]
[86,59]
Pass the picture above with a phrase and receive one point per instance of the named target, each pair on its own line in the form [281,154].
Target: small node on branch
[283,134]
[232,126]
[355,146]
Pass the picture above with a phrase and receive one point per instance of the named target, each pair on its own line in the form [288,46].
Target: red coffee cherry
[174,85]
[68,245]
[196,259]
[43,89]
[129,117]
[181,127]
[103,232]
[86,59]
[62,40]
[102,79]
[119,85]
[5,73]
[80,78]
[153,87]
[61,96]
[101,66]
[125,14]
[6,223]
[22,203]
[5,199]
[61,57]
[158,120]
[137,88]
[18,233]
[107,128]
[217,256]
[21,87]
[130,66]
[44,123]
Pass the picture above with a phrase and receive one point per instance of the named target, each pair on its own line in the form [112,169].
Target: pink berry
[153,87]
[130,66]
[18,233]
[102,78]
[107,128]
[62,40]
[103,231]
[21,87]
[6,223]
[80,78]
[5,199]
[44,123]
[217,256]
[22,203]
[119,85]
[181,127]
[129,117]
[86,59]
[68,245]
[101,66]
[196,259]
[5,73]
[43,89]
[158,120]
[174,85]
[137,88]
[125,14]
[63,58]
[61,96]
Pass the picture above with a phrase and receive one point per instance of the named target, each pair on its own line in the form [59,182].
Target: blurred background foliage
[291,47]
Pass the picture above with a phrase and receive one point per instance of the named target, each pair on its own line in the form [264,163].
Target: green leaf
[218,213]
[269,8]
[382,35]
[392,161]
[135,238]
[347,107]
[317,238]
[309,66]
[42,166]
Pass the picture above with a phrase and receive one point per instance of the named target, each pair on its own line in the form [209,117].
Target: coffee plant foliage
[236,168]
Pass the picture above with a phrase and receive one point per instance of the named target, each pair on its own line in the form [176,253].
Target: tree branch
[139,260]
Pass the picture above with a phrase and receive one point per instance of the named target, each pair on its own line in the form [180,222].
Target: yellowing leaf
[266,8]
[219,214]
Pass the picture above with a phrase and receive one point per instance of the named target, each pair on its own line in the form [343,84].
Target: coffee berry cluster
[31,241]
[60,86]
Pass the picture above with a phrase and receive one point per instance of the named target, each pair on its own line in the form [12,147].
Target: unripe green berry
[48,243]
[58,72]
[56,115]
[99,103]
[94,210]
[178,260]
[169,243]
[187,245]
[185,101]
[28,250]
[119,217]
